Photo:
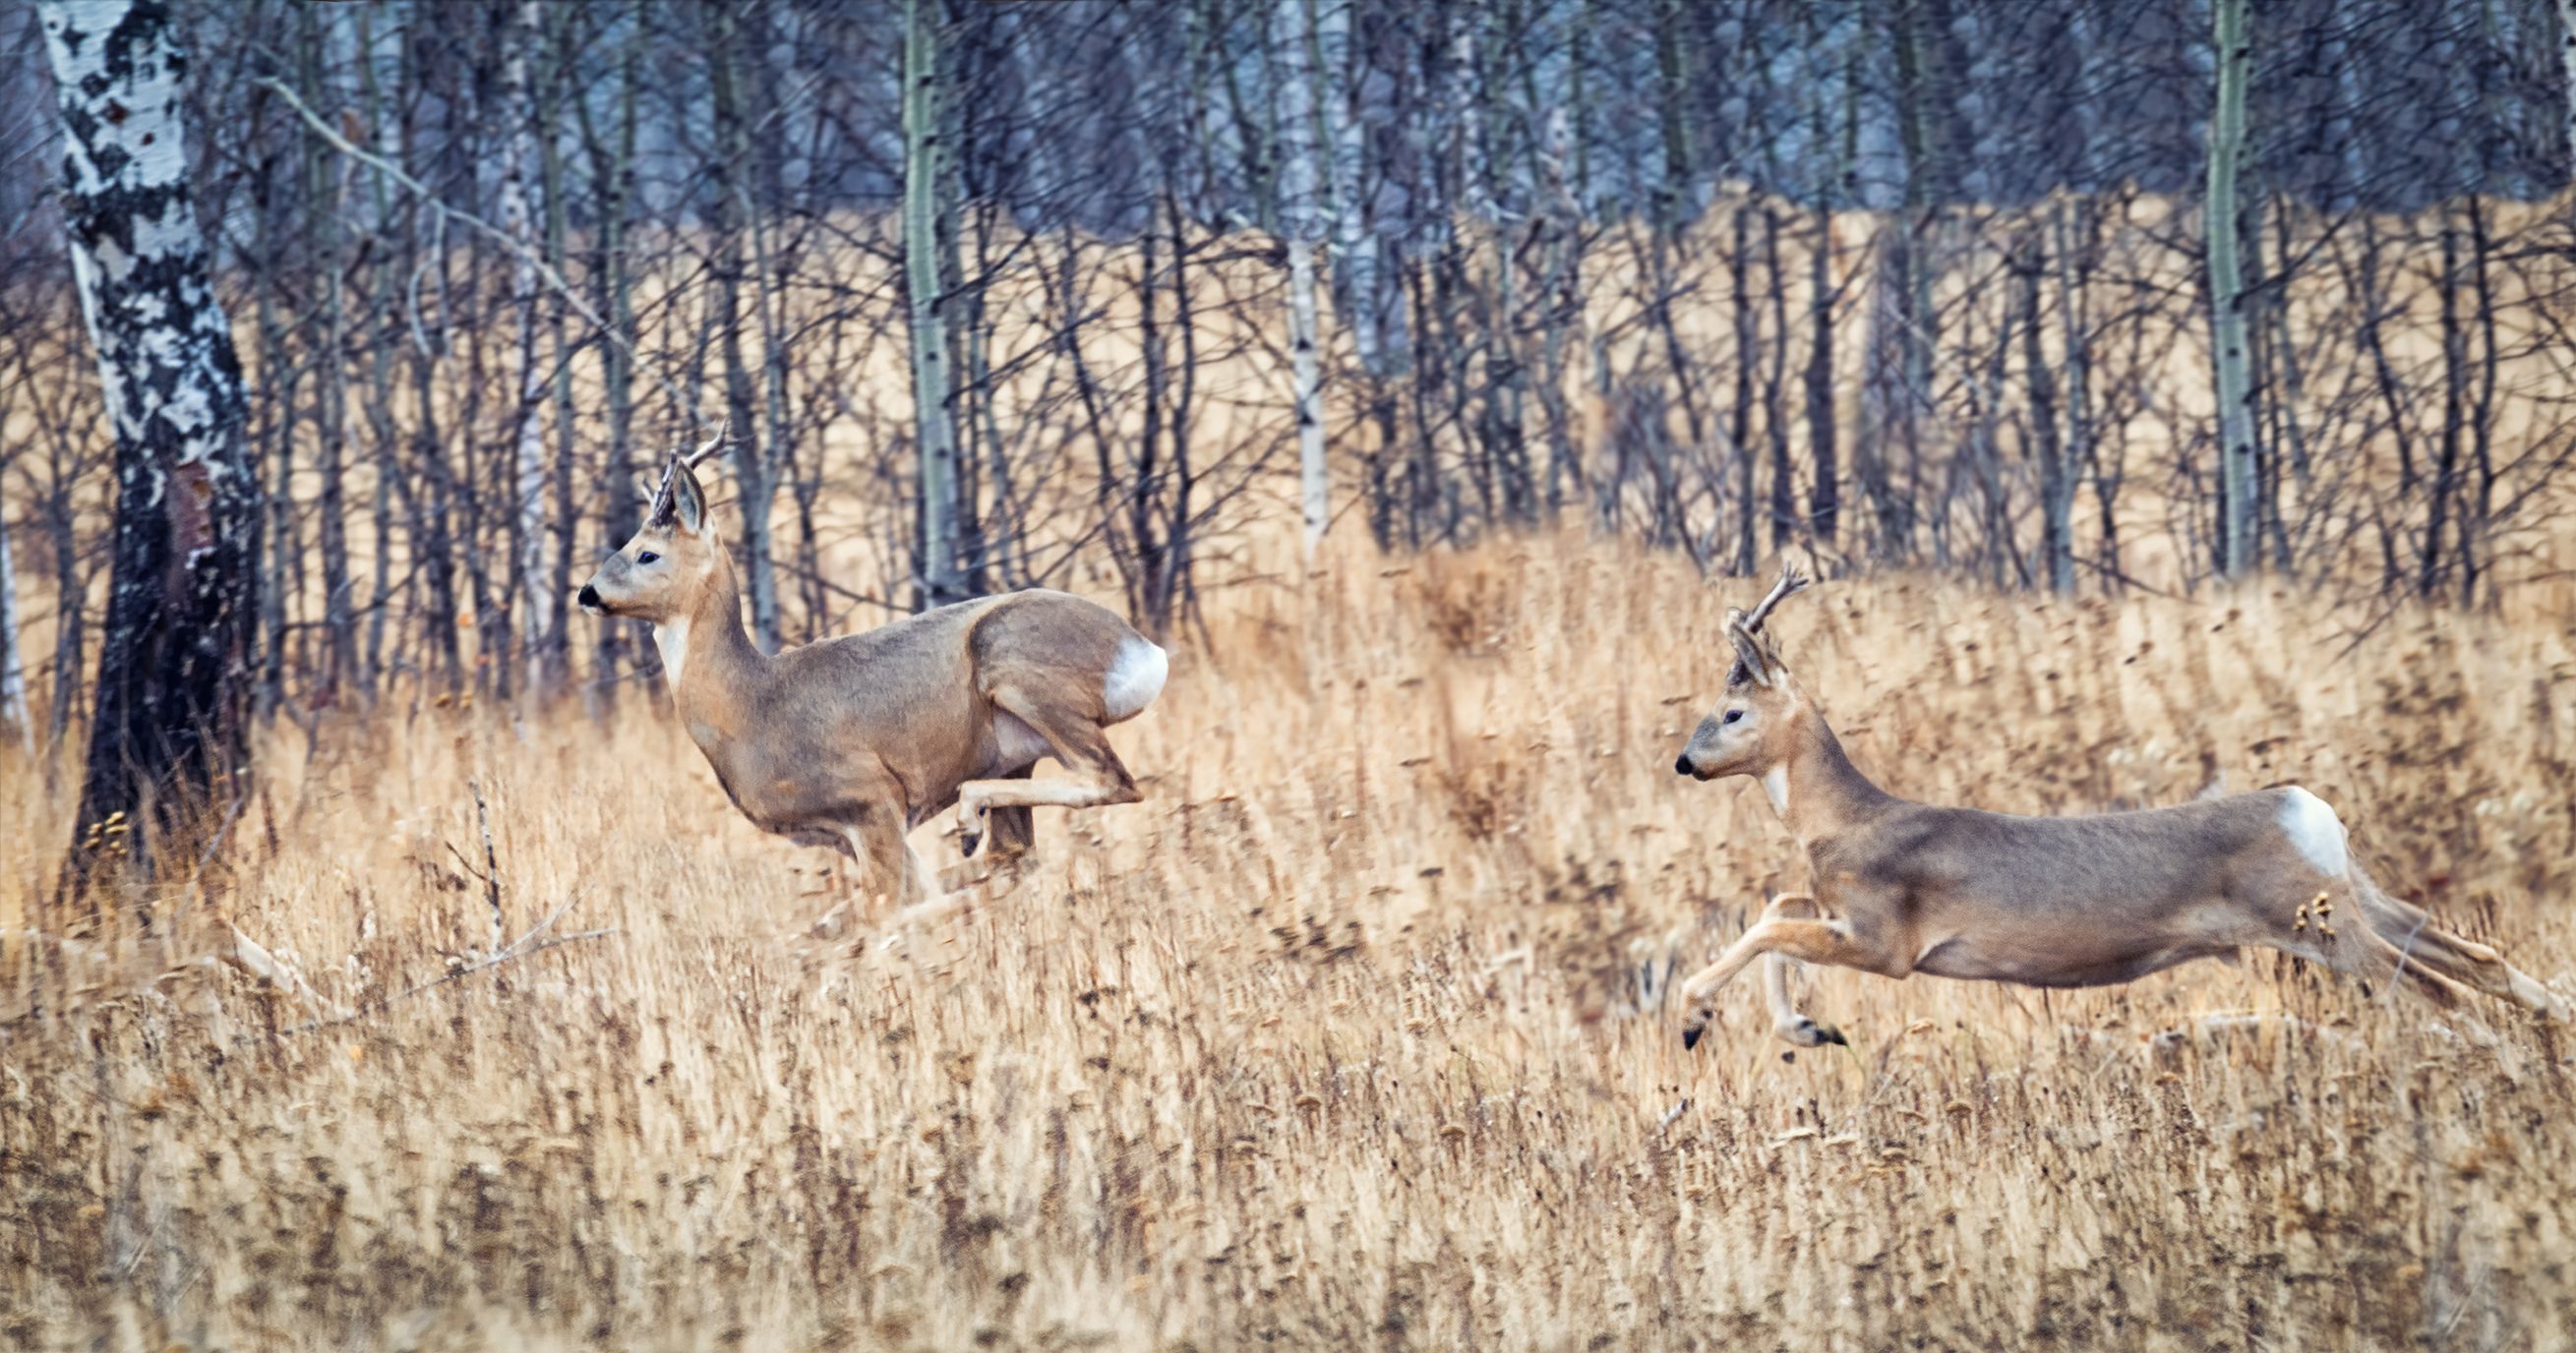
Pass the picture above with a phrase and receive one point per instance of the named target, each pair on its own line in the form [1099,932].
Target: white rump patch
[1775,782]
[2315,830]
[1135,677]
[673,642]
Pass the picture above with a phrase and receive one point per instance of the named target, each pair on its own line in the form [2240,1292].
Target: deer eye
[1735,716]
[645,556]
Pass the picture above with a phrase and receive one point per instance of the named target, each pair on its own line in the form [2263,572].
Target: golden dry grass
[1335,1041]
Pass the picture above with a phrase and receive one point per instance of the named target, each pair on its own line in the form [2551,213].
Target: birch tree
[173,670]
[2567,55]
[13,672]
[737,225]
[518,220]
[2219,226]
[1293,35]
[926,183]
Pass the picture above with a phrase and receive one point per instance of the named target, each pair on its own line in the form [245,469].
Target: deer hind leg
[1826,942]
[1787,1021]
[2477,966]
[2335,930]
[1098,778]
[2411,930]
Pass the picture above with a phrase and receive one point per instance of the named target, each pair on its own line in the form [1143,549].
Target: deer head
[658,575]
[1746,734]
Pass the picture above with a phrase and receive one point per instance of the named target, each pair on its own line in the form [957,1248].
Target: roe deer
[848,742]
[1903,887]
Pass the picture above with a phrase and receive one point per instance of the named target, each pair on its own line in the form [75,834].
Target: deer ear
[688,501]
[678,502]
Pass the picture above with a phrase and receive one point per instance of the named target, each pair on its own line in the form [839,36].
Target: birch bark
[173,668]
[1293,33]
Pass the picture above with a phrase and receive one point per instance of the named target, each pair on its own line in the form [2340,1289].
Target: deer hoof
[969,836]
[1691,1033]
[1807,1033]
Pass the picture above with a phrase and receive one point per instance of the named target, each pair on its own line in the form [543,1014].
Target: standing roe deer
[1904,887]
[848,742]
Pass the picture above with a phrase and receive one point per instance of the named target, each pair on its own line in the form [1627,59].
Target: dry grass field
[1357,1033]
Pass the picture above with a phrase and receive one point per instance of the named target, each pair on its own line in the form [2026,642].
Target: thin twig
[491,862]
[521,949]
[524,251]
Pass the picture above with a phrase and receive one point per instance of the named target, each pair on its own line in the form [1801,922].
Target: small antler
[658,502]
[724,434]
[1791,580]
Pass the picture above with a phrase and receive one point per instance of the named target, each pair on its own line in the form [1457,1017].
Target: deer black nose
[1681,764]
[589,595]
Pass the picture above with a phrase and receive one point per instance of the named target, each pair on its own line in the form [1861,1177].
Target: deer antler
[724,434]
[660,498]
[1791,580]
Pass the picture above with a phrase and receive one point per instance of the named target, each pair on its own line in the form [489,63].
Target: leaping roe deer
[1904,887]
[848,742]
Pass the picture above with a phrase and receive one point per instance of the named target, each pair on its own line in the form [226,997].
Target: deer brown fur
[1904,887]
[851,741]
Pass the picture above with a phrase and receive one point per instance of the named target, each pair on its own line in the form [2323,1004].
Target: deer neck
[706,655]
[1816,789]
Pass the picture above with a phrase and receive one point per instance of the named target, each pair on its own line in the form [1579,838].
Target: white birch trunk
[1354,247]
[924,177]
[1292,29]
[13,672]
[528,461]
[2228,354]
[2567,55]
[183,591]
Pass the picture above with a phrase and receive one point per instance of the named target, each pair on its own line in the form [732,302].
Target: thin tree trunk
[1775,413]
[281,375]
[2073,278]
[925,181]
[2056,476]
[375,286]
[734,219]
[1292,33]
[13,674]
[1673,190]
[2220,229]
[2475,516]
[171,676]
[1886,401]
[519,35]
[425,258]
[1748,340]
[2455,385]
[331,392]
[557,596]
[70,643]
[613,173]
[2567,56]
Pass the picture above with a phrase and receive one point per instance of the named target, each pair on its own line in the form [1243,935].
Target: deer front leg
[1014,831]
[1828,942]
[886,860]
[1790,1023]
